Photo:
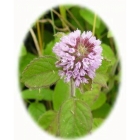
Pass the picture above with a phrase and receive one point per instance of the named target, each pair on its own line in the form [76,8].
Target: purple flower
[79,56]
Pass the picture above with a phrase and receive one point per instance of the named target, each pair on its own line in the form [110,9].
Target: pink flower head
[79,56]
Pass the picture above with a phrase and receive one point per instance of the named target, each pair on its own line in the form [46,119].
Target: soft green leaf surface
[61,93]
[68,6]
[80,23]
[41,72]
[25,60]
[86,87]
[108,54]
[53,129]
[74,119]
[49,48]
[90,97]
[97,122]
[42,94]
[109,34]
[100,79]
[89,17]
[99,102]
[23,50]
[47,119]
[94,98]
[47,37]
[36,110]
[78,93]
[99,31]
[102,112]
[104,67]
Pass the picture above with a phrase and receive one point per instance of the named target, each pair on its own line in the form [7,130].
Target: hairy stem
[72,88]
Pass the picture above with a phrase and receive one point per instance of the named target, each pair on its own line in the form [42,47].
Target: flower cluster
[79,56]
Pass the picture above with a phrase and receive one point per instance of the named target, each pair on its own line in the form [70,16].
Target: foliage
[74,118]
[47,96]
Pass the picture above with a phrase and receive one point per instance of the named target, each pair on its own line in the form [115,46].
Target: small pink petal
[84,80]
[77,82]
[82,72]
[78,65]
[71,50]
[91,55]
[61,73]
[88,34]
[97,42]
[91,74]
[72,41]
[92,40]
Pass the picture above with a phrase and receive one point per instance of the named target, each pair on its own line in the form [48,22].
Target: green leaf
[79,22]
[25,60]
[104,67]
[47,37]
[78,93]
[109,34]
[90,97]
[99,102]
[74,119]
[100,29]
[88,16]
[86,87]
[102,112]
[100,79]
[68,6]
[61,93]
[108,54]
[48,121]
[36,110]
[23,51]
[42,94]
[49,48]
[41,72]
[94,98]
[97,122]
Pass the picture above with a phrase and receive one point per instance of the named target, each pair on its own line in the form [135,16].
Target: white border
[113,13]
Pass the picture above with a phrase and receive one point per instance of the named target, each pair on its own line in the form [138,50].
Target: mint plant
[70,87]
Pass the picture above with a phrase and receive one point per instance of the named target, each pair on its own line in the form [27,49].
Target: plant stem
[42,32]
[35,41]
[63,14]
[72,88]
[94,25]
[39,36]
[64,20]
[74,18]
[53,22]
